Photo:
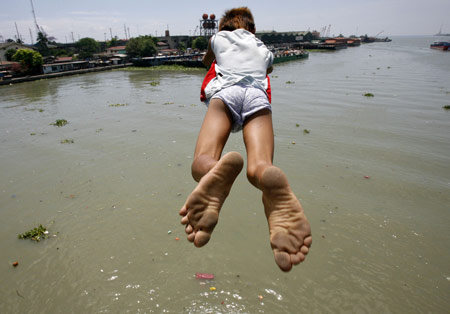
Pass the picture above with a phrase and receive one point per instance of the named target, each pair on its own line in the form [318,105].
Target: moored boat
[289,55]
[441,45]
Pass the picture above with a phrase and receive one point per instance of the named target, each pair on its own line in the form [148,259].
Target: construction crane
[38,29]
[328,31]
[379,34]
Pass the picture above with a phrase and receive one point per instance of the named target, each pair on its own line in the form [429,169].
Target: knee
[255,171]
[201,166]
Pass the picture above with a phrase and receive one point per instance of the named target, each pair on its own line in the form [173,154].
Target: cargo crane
[379,34]
[38,28]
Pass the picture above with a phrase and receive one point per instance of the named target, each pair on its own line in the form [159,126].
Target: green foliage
[142,46]
[42,44]
[87,47]
[113,42]
[30,60]
[60,122]
[35,234]
[200,43]
[9,53]
[181,46]
[369,95]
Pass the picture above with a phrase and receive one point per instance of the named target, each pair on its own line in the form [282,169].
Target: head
[237,18]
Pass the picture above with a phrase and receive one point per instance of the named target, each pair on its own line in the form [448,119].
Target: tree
[42,44]
[182,46]
[30,60]
[9,53]
[142,46]
[87,47]
[113,42]
[200,43]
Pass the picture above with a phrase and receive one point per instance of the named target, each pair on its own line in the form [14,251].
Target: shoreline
[61,74]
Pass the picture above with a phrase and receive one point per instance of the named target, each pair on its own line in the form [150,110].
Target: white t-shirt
[241,58]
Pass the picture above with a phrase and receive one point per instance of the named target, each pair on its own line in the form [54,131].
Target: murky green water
[111,198]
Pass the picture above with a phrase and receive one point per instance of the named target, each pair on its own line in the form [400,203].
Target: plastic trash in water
[204,276]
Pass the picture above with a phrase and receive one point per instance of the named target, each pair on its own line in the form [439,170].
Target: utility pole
[125,28]
[110,30]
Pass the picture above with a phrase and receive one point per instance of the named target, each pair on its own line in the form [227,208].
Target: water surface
[373,175]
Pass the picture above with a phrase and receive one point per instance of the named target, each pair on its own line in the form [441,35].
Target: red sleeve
[208,77]
[269,90]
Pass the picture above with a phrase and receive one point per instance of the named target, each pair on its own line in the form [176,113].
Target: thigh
[258,138]
[215,130]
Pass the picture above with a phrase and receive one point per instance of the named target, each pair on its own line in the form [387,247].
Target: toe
[307,241]
[201,238]
[183,211]
[184,220]
[191,237]
[304,249]
[189,229]
[283,260]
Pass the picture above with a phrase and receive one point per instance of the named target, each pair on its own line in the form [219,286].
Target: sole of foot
[201,210]
[290,231]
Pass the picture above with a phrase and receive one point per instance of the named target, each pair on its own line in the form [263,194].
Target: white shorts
[243,101]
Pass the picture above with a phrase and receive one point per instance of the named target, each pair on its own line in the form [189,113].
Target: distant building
[173,42]
[117,50]
[13,45]
[66,66]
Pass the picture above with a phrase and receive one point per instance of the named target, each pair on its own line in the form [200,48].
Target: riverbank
[61,74]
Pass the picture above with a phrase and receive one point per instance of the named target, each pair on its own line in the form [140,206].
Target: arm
[269,70]
[209,57]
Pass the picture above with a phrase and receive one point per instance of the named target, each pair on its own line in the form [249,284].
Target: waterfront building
[12,45]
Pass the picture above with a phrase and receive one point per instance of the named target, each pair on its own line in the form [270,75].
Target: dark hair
[237,18]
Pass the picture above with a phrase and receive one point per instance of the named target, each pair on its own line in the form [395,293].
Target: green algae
[36,234]
[59,123]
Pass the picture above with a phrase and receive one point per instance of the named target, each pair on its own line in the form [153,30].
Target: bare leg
[290,232]
[200,213]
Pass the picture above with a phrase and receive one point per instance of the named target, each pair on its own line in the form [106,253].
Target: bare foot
[201,210]
[290,232]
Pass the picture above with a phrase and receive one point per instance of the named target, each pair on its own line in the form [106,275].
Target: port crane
[379,34]
[38,28]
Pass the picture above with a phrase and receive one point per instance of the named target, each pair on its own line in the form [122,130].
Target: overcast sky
[95,18]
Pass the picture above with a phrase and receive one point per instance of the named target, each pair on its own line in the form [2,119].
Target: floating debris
[446,107]
[306,131]
[36,234]
[67,141]
[290,82]
[118,105]
[154,83]
[15,264]
[204,276]
[369,95]
[168,103]
[60,122]
[297,125]
[212,288]
[32,134]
